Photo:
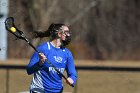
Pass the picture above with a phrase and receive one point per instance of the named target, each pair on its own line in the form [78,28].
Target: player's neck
[56,43]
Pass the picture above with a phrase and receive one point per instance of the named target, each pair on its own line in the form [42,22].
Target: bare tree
[106,29]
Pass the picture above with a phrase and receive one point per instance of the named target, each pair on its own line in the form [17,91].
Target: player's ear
[59,34]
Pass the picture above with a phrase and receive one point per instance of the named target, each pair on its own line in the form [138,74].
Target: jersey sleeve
[33,65]
[70,68]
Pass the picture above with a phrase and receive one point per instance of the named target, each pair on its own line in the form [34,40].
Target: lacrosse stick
[10,26]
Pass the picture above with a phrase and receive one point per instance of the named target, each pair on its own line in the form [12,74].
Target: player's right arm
[33,65]
[36,62]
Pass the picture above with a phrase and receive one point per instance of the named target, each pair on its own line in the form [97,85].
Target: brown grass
[88,81]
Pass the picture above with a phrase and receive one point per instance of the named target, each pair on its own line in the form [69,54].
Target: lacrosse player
[45,77]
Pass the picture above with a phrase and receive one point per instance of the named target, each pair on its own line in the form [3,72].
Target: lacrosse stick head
[10,26]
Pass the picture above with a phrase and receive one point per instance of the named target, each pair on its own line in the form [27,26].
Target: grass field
[88,81]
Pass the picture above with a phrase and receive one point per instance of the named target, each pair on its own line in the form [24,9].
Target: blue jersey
[45,78]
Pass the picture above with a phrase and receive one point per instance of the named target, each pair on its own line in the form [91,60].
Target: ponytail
[52,30]
[42,34]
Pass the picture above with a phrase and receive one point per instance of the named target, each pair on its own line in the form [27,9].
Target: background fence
[86,78]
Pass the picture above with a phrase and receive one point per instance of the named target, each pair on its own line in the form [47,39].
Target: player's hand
[69,81]
[42,59]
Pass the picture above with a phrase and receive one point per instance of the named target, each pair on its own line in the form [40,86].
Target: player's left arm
[71,71]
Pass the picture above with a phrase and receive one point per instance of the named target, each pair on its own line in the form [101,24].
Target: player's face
[64,32]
